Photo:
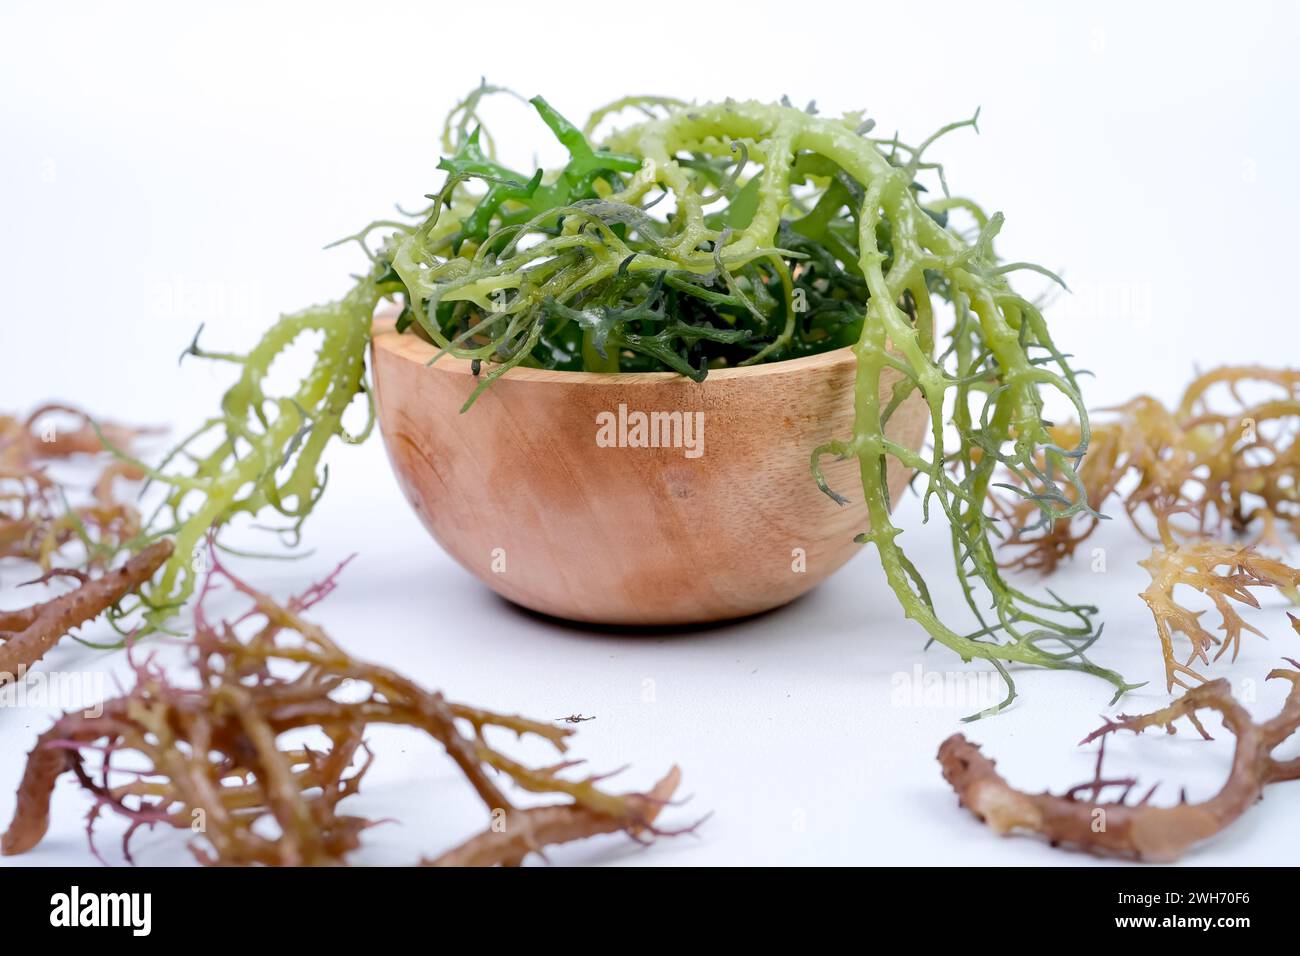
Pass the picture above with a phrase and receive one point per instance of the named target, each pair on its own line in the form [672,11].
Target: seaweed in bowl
[704,236]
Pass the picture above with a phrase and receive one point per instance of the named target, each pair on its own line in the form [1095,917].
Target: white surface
[163,168]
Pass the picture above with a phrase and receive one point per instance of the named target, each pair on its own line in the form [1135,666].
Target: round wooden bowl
[522,493]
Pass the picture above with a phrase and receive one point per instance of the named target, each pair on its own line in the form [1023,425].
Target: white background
[165,167]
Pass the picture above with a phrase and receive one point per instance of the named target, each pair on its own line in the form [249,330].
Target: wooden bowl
[522,493]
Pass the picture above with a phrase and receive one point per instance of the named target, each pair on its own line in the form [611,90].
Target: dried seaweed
[1220,464]
[1225,573]
[1232,463]
[36,519]
[217,757]
[28,634]
[1080,819]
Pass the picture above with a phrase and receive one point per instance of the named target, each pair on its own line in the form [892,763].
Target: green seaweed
[787,234]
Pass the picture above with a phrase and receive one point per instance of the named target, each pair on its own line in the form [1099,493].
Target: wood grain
[519,492]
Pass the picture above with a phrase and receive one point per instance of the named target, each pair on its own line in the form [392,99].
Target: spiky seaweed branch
[268,449]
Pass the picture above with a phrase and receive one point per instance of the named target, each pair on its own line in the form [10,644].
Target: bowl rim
[384,334]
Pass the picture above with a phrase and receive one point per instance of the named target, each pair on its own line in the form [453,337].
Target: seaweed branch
[222,756]
[1226,455]
[1197,564]
[28,634]
[1137,828]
